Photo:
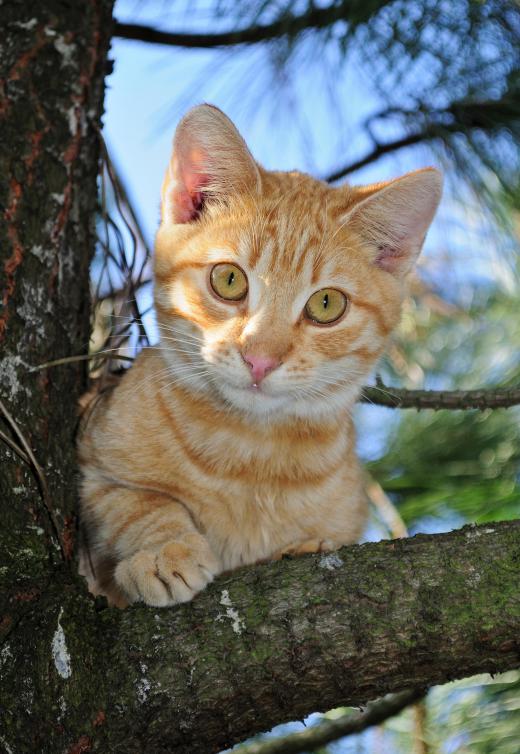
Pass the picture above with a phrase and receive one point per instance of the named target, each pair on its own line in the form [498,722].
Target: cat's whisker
[181,341]
[165,373]
[182,351]
[177,330]
[170,369]
[185,379]
[382,390]
[175,335]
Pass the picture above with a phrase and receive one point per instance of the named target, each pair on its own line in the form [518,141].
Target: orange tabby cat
[232,441]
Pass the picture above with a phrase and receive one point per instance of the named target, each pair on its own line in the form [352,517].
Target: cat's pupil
[231,278]
[325,300]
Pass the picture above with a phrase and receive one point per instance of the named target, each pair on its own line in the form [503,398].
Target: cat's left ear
[395,216]
[209,160]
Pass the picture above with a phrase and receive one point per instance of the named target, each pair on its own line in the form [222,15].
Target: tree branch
[286,25]
[340,628]
[481,398]
[331,730]
[381,149]
[459,118]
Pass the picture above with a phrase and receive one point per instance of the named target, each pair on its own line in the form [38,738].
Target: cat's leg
[305,547]
[162,558]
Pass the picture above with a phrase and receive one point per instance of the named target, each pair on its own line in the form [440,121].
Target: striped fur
[187,470]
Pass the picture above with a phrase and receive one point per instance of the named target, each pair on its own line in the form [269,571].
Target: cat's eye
[228,281]
[326,306]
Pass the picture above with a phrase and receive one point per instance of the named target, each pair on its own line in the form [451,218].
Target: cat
[231,441]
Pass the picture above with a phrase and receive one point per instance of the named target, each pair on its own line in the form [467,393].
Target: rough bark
[52,67]
[261,646]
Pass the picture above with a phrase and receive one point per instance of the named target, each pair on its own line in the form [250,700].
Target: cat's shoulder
[114,390]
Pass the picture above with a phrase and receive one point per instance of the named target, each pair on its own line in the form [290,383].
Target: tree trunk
[259,647]
[52,67]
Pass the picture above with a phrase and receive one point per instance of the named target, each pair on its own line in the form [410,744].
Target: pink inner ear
[188,206]
[188,188]
[189,198]
[389,258]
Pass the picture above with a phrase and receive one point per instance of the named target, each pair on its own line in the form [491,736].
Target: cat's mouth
[253,396]
[256,388]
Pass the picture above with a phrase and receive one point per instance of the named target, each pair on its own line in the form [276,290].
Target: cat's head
[275,292]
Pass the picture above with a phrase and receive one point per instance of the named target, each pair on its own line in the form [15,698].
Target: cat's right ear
[209,159]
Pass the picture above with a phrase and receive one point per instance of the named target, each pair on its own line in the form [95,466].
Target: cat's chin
[258,402]
[253,399]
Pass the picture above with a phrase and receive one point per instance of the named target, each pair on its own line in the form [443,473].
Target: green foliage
[453,463]
[477,716]
[458,466]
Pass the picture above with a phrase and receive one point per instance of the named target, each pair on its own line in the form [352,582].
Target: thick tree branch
[258,647]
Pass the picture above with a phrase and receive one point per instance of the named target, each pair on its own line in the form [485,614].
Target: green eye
[326,306]
[229,282]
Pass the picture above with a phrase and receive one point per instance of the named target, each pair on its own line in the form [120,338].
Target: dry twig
[38,472]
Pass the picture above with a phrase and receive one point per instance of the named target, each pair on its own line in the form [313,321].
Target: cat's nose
[260,366]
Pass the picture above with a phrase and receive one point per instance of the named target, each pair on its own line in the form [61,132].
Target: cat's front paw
[173,573]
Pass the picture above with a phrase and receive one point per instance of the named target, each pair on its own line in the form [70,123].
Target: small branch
[39,473]
[15,448]
[331,730]
[382,149]
[419,728]
[84,357]
[459,118]
[481,398]
[288,25]
[123,292]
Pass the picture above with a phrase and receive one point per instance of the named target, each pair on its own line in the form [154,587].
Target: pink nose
[260,366]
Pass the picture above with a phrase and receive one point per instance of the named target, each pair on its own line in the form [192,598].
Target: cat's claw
[172,574]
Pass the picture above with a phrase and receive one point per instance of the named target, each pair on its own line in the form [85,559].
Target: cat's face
[273,297]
